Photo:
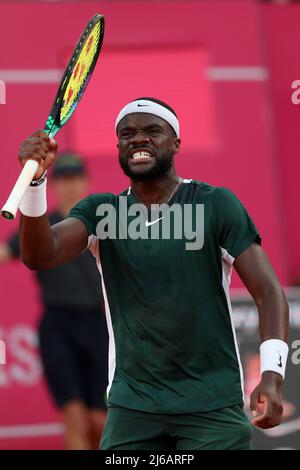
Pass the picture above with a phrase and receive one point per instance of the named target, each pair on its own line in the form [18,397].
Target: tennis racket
[70,91]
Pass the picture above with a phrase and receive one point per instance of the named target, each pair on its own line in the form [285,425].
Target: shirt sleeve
[236,230]
[13,243]
[85,211]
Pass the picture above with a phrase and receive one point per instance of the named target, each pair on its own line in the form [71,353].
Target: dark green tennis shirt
[172,343]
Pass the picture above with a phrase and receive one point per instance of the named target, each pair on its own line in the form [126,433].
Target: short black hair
[155,100]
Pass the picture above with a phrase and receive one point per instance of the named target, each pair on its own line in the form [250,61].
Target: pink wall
[281,31]
[233,146]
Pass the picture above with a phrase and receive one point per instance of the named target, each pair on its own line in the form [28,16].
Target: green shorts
[226,428]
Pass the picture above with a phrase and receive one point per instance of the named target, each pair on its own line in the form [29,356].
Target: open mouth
[141,156]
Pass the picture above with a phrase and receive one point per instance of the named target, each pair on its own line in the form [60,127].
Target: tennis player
[175,377]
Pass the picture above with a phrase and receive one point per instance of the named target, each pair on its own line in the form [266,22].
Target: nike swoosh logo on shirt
[147,223]
[280,361]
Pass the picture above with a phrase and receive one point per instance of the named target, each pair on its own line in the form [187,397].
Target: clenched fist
[41,148]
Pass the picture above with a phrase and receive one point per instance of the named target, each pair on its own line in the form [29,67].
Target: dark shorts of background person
[224,429]
[74,352]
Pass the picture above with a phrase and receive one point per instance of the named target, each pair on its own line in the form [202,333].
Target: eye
[126,135]
[154,131]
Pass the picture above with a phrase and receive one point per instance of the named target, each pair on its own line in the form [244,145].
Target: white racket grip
[11,206]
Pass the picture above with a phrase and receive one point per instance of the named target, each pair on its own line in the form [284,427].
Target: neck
[155,191]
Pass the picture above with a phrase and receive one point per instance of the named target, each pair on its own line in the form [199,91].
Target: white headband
[149,107]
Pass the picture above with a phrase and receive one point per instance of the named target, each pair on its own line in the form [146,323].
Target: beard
[158,170]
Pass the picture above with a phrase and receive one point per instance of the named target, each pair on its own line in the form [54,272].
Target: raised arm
[43,246]
[255,270]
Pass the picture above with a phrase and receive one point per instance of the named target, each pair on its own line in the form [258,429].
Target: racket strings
[81,72]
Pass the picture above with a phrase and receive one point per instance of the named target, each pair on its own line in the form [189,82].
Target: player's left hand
[265,401]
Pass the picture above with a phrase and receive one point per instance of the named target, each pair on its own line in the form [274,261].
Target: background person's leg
[91,339]
[62,361]
[97,420]
[77,426]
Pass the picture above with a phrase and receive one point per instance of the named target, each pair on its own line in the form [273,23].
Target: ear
[176,144]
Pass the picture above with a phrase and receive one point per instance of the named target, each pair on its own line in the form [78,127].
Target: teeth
[141,155]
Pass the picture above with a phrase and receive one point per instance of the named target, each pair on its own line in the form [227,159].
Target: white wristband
[273,356]
[34,202]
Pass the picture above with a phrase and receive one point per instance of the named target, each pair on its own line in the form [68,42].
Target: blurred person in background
[72,331]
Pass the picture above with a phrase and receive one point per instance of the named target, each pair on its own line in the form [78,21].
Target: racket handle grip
[11,206]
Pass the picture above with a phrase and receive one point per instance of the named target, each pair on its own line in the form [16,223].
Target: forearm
[265,400]
[273,313]
[255,270]
[37,242]
[43,246]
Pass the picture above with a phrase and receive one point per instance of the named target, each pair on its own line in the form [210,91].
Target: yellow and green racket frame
[73,84]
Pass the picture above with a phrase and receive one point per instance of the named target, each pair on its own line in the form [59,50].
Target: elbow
[287,307]
[271,290]
[32,264]
[283,299]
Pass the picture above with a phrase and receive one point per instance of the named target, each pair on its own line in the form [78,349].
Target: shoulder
[218,198]
[202,186]
[216,191]
[196,184]
[225,197]
[94,200]
[206,189]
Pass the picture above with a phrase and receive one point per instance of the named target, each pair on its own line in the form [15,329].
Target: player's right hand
[41,148]
[266,401]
